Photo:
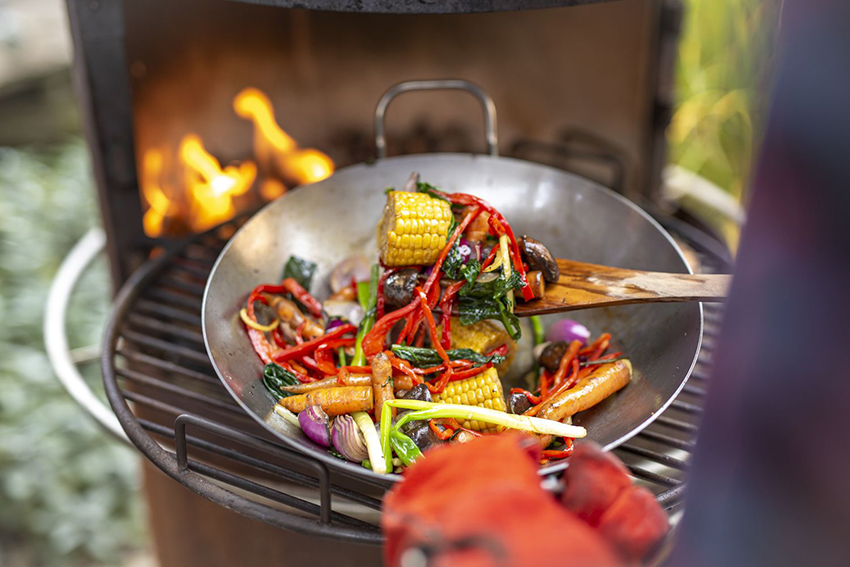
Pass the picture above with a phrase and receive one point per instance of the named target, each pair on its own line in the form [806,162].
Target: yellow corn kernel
[484,390]
[414,229]
[483,337]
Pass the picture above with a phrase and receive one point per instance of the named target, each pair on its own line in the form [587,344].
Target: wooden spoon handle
[582,286]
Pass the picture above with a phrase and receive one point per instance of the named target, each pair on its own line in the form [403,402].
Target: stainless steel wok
[574,217]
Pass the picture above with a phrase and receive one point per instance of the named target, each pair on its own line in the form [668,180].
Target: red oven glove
[480,503]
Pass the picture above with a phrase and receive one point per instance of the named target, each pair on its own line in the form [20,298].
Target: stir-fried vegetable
[420,346]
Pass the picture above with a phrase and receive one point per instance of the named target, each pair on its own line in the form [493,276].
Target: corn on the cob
[483,337]
[413,230]
[484,390]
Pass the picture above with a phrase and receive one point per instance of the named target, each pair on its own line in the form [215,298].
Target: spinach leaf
[474,309]
[494,289]
[470,271]
[275,377]
[300,270]
[428,357]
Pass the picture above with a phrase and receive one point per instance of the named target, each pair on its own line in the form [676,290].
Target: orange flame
[210,194]
[271,142]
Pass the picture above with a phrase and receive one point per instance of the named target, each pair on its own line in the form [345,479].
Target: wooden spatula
[582,286]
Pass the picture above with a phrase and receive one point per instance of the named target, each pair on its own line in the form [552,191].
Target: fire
[190,190]
[273,144]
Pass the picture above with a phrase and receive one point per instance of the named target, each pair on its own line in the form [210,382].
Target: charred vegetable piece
[518,403]
[300,270]
[398,289]
[539,258]
[277,380]
[484,390]
[314,423]
[422,357]
[421,434]
[414,229]
[419,392]
[348,439]
[335,401]
[552,355]
[537,283]
[290,314]
[329,382]
[382,383]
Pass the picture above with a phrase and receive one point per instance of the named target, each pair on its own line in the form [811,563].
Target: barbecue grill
[165,397]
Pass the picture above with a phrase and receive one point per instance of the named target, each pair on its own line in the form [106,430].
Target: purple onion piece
[314,424]
[334,324]
[348,439]
[567,330]
[466,249]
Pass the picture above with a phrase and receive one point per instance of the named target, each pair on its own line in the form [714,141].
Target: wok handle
[437,85]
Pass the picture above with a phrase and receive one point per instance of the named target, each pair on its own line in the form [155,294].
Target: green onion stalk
[391,435]
[368,298]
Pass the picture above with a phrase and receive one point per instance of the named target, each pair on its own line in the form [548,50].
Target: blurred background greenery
[69,492]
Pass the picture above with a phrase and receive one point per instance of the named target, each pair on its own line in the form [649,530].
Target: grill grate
[154,358]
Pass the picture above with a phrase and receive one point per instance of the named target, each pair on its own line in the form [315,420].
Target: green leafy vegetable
[537,327]
[470,272]
[404,447]
[300,270]
[427,357]
[496,288]
[422,187]
[453,263]
[275,377]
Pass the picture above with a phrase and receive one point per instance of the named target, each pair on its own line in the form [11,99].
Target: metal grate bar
[167,366]
[183,285]
[164,346]
[694,390]
[676,423]
[169,297]
[652,476]
[164,327]
[154,308]
[686,407]
[654,455]
[174,389]
[259,464]
[668,440]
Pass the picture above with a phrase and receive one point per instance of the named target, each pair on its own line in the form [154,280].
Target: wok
[574,217]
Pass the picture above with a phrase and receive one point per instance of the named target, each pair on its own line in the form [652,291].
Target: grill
[165,394]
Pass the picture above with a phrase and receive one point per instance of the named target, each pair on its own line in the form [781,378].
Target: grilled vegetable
[427,357]
[483,337]
[398,289]
[484,390]
[314,423]
[421,434]
[373,442]
[420,392]
[414,229]
[300,270]
[600,384]
[551,356]
[539,258]
[382,382]
[335,401]
[518,403]
[329,382]
[536,283]
[348,439]
[567,330]
[289,313]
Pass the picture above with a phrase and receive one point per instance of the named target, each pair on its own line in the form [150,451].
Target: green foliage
[720,80]
[69,493]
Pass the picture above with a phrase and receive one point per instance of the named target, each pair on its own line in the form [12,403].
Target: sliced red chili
[325,360]
[303,296]
[300,350]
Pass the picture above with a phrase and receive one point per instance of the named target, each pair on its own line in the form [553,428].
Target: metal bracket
[437,85]
[181,447]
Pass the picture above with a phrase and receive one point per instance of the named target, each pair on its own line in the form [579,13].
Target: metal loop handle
[437,85]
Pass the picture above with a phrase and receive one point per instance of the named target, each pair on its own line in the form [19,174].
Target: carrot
[330,382]
[335,401]
[382,383]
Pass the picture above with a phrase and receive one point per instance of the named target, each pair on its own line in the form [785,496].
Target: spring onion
[287,415]
[386,426]
[428,410]
[369,320]
[373,442]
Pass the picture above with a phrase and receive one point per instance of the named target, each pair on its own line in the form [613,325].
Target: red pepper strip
[497,229]
[380,306]
[278,338]
[498,351]
[302,376]
[420,338]
[444,434]
[471,432]
[303,296]
[532,399]
[325,360]
[563,453]
[595,344]
[490,257]
[464,374]
[446,305]
[309,346]
[342,377]
[468,200]
[564,365]
[435,342]
[544,385]
[573,378]
[265,350]
[438,265]
[404,367]
[373,342]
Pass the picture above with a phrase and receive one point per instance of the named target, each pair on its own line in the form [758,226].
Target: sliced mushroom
[552,355]
[518,404]
[398,288]
[539,258]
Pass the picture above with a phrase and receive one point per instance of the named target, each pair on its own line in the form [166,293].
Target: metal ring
[56,340]
[437,85]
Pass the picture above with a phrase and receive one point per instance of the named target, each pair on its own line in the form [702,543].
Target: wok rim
[358,472]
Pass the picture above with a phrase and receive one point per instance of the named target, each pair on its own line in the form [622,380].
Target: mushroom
[539,258]
[551,356]
[518,403]
[398,288]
